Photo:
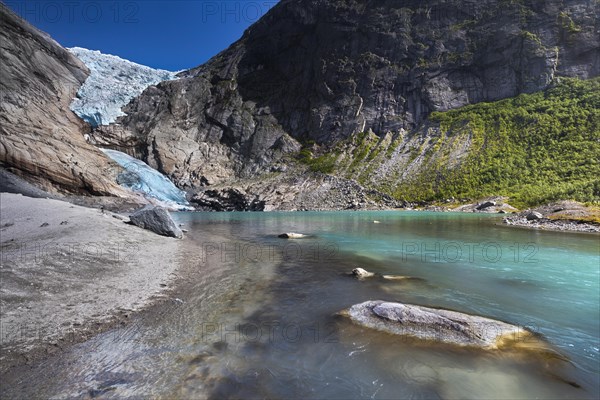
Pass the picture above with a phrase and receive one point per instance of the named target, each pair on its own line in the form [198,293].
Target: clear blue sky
[172,35]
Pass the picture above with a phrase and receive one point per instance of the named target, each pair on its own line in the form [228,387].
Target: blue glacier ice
[140,177]
[112,83]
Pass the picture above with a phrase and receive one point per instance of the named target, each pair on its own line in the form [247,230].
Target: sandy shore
[69,272]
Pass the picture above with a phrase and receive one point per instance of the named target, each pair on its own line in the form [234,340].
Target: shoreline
[567,226]
[69,273]
[559,216]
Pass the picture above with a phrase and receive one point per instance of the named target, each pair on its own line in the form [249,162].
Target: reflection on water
[259,314]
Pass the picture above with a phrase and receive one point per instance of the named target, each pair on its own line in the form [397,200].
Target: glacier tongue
[140,177]
[112,83]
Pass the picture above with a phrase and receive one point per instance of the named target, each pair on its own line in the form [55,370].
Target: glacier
[142,178]
[112,83]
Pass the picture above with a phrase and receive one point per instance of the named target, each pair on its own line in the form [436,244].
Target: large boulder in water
[435,324]
[157,220]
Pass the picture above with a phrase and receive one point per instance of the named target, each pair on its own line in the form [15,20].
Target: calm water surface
[258,317]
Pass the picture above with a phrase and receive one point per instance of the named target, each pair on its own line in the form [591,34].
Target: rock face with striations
[322,71]
[40,138]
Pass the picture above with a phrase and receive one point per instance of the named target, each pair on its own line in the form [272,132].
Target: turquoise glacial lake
[257,316]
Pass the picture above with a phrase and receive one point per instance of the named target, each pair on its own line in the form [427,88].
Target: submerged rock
[157,220]
[437,325]
[400,278]
[292,235]
[361,273]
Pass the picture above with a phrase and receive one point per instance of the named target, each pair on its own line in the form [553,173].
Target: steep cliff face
[324,71]
[40,138]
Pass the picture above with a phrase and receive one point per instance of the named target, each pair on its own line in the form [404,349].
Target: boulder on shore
[533,216]
[485,205]
[157,220]
[435,324]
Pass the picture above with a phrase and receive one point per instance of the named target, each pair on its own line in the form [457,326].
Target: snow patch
[112,84]
[140,177]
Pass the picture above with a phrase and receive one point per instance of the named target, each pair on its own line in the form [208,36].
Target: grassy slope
[533,148]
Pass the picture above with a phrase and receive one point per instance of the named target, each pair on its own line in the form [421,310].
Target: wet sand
[70,272]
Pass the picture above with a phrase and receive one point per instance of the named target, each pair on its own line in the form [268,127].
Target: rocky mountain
[112,83]
[40,138]
[313,75]
[332,105]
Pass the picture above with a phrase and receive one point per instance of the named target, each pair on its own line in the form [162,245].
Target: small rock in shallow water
[362,273]
[292,235]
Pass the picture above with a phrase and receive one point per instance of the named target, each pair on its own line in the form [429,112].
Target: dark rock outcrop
[294,190]
[11,183]
[227,199]
[157,220]
[325,70]
[486,204]
[40,138]
[533,215]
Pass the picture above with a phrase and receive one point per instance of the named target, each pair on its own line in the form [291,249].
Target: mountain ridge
[329,93]
[312,74]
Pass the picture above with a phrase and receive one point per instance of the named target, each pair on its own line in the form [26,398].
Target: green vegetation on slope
[534,148]
[324,163]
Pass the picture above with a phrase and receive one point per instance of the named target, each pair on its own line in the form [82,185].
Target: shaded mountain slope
[323,72]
